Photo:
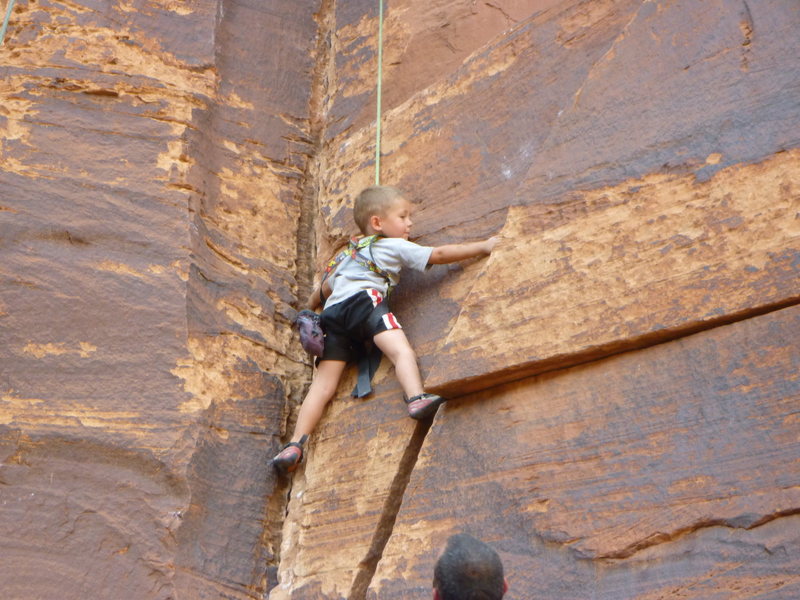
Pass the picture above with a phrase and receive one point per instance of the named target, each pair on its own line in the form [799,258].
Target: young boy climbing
[355,309]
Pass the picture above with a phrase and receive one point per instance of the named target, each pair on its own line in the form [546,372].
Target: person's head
[382,209]
[468,569]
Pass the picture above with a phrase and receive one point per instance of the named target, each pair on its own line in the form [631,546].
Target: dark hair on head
[468,569]
[373,201]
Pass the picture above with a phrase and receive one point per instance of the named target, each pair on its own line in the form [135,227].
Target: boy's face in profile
[396,221]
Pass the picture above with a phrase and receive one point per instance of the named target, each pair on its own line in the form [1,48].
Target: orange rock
[173,173]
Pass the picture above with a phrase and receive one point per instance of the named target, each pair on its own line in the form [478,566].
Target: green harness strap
[353,251]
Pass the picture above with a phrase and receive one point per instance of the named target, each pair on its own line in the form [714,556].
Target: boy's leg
[394,344]
[322,389]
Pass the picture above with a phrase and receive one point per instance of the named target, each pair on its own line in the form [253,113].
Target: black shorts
[348,323]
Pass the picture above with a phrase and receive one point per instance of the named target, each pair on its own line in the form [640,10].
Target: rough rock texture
[624,368]
[671,471]
[643,261]
[152,181]
[640,160]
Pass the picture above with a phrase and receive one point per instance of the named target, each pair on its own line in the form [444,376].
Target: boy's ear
[375,223]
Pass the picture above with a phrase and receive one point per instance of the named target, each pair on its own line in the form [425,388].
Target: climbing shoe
[289,457]
[423,406]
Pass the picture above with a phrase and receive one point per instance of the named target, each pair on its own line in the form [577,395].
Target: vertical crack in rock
[309,202]
[309,188]
[394,499]
[307,228]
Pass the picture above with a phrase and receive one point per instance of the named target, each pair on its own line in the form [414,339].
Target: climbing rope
[379,86]
[9,8]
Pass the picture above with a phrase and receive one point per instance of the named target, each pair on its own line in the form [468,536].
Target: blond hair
[375,200]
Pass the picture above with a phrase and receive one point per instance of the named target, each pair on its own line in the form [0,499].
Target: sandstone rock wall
[153,178]
[620,395]
[623,370]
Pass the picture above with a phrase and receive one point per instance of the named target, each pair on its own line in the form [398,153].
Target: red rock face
[629,477]
[622,370]
[150,198]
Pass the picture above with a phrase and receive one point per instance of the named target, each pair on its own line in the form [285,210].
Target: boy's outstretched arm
[451,253]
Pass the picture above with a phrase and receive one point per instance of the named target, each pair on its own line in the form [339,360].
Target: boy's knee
[326,391]
[325,383]
[404,352]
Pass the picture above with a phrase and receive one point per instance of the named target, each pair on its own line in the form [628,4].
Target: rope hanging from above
[9,8]
[379,91]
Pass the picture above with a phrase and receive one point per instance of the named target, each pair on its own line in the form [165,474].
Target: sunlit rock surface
[623,369]
[152,182]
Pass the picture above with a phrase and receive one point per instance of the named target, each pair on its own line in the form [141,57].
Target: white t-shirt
[390,254]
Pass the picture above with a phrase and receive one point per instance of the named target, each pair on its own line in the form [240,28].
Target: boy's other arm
[314,300]
[451,253]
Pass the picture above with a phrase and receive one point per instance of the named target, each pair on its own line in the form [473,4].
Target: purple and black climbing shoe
[424,405]
[311,335]
[289,457]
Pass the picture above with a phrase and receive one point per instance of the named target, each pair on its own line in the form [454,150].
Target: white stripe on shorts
[390,322]
[376,297]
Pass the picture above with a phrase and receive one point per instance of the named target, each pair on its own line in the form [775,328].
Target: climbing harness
[9,8]
[353,251]
[310,328]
